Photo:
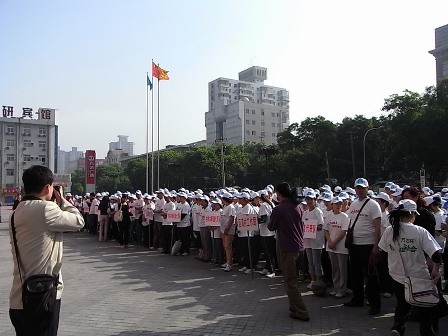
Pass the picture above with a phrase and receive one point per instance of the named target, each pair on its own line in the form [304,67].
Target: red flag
[155,70]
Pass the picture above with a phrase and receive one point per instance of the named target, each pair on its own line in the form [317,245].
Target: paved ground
[110,291]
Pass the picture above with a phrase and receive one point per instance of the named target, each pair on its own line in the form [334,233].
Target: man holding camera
[36,234]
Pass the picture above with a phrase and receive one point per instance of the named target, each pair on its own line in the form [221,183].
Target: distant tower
[123,144]
[441,52]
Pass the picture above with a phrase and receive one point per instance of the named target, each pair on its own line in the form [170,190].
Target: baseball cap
[343,195]
[310,193]
[327,197]
[383,196]
[408,205]
[397,192]
[337,189]
[98,195]
[243,195]
[336,199]
[254,194]
[362,182]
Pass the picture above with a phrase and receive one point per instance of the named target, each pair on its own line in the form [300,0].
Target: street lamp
[364,145]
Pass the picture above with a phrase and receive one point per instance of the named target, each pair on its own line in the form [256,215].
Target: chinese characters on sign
[309,228]
[149,214]
[27,112]
[90,167]
[247,222]
[212,218]
[173,216]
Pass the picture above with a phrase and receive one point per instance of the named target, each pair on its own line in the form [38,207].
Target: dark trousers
[123,233]
[384,276]
[93,224]
[218,250]
[135,233]
[42,325]
[167,232]
[145,235]
[359,268]
[402,310]
[268,247]
[184,234]
[157,235]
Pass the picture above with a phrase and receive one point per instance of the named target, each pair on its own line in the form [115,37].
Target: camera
[297,194]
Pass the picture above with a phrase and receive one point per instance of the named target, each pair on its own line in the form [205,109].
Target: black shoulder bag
[349,236]
[39,290]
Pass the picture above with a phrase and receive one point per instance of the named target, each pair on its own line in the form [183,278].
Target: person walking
[36,229]
[286,220]
[406,245]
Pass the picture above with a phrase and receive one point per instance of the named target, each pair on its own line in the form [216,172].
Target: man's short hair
[36,178]
[284,189]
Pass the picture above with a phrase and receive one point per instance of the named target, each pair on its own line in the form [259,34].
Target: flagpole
[158,131]
[147,135]
[152,130]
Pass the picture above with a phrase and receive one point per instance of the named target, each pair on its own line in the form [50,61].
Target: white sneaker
[333,293]
[387,295]
[243,269]
[228,268]
[224,265]
[264,272]
[348,291]
[247,271]
[310,285]
[270,275]
[340,295]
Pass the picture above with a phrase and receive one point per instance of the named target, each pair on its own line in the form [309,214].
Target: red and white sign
[309,228]
[173,216]
[149,214]
[247,222]
[90,167]
[212,218]
[11,190]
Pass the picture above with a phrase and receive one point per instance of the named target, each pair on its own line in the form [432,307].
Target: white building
[246,110]
[25,142]
[123,144]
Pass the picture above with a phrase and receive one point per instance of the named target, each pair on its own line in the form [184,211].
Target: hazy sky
[89,58]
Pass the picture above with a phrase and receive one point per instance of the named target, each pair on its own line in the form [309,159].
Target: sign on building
[90,170]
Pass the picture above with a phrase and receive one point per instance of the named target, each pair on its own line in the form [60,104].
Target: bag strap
[14,239]
[357,216]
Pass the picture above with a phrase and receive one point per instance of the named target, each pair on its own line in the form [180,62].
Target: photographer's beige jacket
[39,226]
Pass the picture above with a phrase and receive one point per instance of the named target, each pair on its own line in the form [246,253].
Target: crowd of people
[361,269]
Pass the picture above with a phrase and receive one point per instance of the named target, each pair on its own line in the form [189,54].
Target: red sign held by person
[247,222]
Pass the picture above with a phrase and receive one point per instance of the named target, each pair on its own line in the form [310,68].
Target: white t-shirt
[184,209]
[138,207]
[335,224]
[440,219]
[364,232]
[148,211]
[246,210]
[195,213]
[265,209]
[215,232]
[227,212]
[318,243]
[94,206]
[168,206]
[412,242]
[158,206]
[384,221]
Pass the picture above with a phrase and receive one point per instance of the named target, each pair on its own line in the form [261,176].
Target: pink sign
[212,218]
[309,228]
[173,216]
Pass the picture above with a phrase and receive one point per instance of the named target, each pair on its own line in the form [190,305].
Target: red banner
[90,167]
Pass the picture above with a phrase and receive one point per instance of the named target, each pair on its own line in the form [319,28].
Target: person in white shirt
[148,221]
[136,234]
[243,236]
[385,280]
[93,213]
[364,252]
[167,224]
[336,226]
[158,207]
[215,231]
[228,227]
[314,246]
[184,226]
[406,245]
[196,211]
[206,239]
[268,242]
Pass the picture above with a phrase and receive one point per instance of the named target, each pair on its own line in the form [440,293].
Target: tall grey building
[246,110]
[123,144]
[441,52]
[25,141]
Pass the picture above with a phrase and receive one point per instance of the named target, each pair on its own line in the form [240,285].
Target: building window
[253,122]
[278,125]
[262,112]
[9,172]
[247,121]
[273,114]
[247,132]
[27,157]
[262,123]
[11,130]
[42,158]
[262,134]
[253,111]
[26,131]
[247,111]
[42,131]
[273,124]
[254,132]
[273,135]
[10,142]
[42,144]
[27,143]
[10,157]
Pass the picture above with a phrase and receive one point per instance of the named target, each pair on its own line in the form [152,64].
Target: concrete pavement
[111,291]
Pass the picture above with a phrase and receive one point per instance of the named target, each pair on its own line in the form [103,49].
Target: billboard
[90,170]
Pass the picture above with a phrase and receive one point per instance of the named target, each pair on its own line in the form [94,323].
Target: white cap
[397,192]
[254,194]
[327,196]
[243,195]
[98,195]
[336,199]
[310,193]
[337,189]
[383,196]
[408,205]
[362,182]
